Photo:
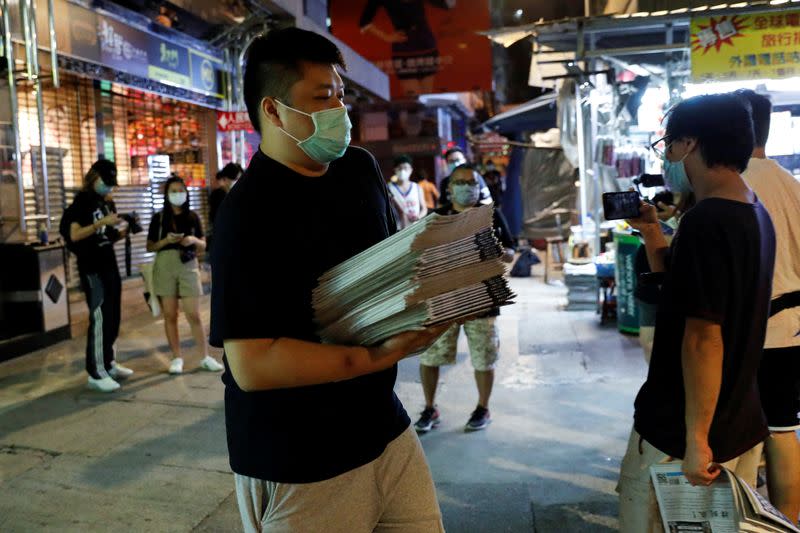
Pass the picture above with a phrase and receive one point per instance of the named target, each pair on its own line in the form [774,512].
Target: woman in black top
[176,235]
[415,53]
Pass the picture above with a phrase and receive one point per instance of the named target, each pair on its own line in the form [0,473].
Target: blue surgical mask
[466,194]
[102,189]
[331,135]
[675,176]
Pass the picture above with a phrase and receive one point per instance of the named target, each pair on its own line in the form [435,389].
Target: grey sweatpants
[394,493]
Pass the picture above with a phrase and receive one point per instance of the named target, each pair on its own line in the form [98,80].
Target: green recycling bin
[627,306]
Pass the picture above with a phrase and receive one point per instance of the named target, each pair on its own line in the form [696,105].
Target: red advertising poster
[425,46]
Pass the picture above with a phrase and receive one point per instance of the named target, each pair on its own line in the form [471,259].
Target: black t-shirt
[95,253]
[214,201]
[265,263]
[720,269]
[187,223]
[501,231]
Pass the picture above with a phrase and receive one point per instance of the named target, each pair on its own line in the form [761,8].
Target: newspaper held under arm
[441,269]
[728,505]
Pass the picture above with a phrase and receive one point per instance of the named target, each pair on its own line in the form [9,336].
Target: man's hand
[396,37]
[648,218]
[408,343]
[667,211]
[698,464]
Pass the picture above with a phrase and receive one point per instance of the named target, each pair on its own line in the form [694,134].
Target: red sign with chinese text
[233,121]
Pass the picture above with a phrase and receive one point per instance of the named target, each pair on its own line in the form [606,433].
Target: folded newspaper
[440,269]
[729,505]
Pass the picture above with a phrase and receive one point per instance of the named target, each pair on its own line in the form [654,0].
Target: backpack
[522,268]
[64,228]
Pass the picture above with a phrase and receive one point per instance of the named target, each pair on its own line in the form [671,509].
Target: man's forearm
[79,233]
[656,247]
[701,358]
[264,364]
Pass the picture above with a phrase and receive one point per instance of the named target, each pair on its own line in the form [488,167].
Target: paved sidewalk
[152,457]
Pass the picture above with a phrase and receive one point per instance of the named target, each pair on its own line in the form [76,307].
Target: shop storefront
[616,78]
[115,90]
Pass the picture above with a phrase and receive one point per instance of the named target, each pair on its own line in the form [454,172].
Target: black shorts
[779,383]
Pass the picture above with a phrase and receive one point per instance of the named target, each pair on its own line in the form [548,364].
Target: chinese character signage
[746,47]
[95,37]
[233,121]
[425,46]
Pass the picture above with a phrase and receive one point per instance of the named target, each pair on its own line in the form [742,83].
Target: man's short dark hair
[722,125]
[453,150]
[275,64]
[762,113]
[400,159]
[231,171]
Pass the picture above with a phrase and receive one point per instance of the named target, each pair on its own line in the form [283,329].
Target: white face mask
[403,174]
[177,198]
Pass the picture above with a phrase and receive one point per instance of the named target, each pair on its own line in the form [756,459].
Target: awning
[536,114]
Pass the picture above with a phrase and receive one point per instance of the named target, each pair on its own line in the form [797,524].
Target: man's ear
[269,109]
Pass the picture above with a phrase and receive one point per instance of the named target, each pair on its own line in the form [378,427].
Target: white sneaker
[119,372]
[211,364]
[176,366]
[105,384]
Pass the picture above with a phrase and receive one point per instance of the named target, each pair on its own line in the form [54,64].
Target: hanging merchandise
[605,153]
[631,162]
[568,121]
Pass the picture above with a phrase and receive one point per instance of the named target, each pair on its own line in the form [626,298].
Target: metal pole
[53,44]
[229,103]
[39,108]
[581,155]
[26,31]
[8,46]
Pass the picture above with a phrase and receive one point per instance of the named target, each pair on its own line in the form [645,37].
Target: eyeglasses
[661,152]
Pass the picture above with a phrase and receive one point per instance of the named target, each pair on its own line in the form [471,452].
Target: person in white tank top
[779,373]
[407,195]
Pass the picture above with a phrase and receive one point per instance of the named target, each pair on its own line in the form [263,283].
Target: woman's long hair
[168,217]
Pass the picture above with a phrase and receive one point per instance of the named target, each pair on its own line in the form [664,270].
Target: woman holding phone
[176,235]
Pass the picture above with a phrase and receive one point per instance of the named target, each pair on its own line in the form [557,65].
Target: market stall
[617,77]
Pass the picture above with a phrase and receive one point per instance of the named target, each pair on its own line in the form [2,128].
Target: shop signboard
[233,121]
[424,46]
[122,47]
[745,47]
[93,36]
[158,168]
[168,63]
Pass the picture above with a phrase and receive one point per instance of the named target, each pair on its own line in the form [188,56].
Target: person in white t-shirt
[407,195]
[779,375]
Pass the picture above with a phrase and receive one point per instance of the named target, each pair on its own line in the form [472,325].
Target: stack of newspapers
[441,269]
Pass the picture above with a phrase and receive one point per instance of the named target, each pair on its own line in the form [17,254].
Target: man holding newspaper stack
[700,403]
[317,439]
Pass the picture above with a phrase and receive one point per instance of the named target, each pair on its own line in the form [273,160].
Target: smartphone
[621,205]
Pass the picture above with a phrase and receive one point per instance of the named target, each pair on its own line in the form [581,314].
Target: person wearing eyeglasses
[481,332]
[700,403]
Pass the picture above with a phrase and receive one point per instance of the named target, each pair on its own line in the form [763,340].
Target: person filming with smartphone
[700,403]
[176,235]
